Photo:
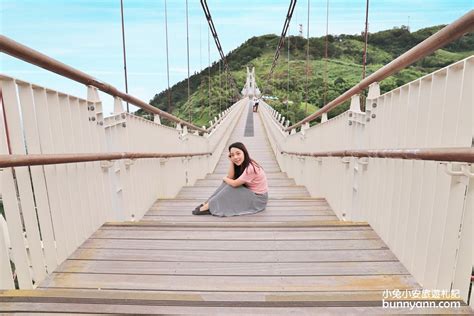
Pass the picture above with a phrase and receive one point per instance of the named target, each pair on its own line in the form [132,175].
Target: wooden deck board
[153,225]
[191,218]
[230,283]
[289,203]
[235,245]
[270,211]
[295,257]
[91,309]
[235,235]
[234,268]
[205,257]
[86,301]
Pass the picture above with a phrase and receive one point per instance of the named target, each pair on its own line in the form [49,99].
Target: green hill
[344,71]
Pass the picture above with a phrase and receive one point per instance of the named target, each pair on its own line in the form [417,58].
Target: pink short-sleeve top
[255,179]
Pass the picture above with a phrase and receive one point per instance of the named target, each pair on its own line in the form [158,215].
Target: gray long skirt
[230,201]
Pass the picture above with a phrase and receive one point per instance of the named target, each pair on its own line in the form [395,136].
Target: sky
[86,34]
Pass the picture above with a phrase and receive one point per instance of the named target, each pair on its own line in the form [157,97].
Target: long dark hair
[238,170]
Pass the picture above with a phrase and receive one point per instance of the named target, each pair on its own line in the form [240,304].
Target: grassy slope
[343,71]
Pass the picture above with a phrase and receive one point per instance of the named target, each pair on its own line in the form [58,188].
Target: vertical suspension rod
[209,72]
[307,64]
[187,50]
[220,87]
[326,55]
[124,52]
[288,83]
[364,61]
[167,59]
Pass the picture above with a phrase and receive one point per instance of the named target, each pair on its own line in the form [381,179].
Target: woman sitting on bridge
[244,190]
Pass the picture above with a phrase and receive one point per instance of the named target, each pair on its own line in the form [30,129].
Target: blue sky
[86,34]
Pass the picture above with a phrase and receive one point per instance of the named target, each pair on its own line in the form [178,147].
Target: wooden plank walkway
[294,257]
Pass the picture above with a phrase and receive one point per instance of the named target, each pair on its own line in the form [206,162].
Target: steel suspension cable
[288,84]
[167,59]
[307,64]
[124,52]
[187,50]
[209,70]
[289,14]
[364,61]
[218,45]
[187,110]
[227,93]
[220,88]
[326,55]
[200,46]
[364,58]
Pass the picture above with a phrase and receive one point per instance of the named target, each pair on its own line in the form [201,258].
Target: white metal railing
[446,35]
[20,51]
[421,209]
[52,209]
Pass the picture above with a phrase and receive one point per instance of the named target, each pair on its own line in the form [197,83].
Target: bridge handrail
[420,208]
[20,51]
[460,154]
[51,159]
[15,160]
[449,33]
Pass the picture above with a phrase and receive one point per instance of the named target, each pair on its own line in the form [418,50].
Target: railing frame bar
[458,154]
[51,159]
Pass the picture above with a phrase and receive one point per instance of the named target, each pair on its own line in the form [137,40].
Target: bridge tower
[251,89]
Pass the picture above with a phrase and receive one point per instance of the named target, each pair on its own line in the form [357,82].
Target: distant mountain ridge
[344,71]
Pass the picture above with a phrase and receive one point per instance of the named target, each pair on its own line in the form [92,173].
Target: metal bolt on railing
[346,159]
[129,162]
[466,171]
[460,171]
[106,164]
[363,161]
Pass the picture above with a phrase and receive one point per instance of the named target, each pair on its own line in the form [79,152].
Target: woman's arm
[230,173]
[233,183]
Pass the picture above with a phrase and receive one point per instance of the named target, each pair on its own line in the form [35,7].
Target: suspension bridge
[369,212]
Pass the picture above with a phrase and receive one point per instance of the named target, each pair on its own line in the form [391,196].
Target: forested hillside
[344,70]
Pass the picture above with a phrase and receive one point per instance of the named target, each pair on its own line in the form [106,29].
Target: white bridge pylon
[251,89]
